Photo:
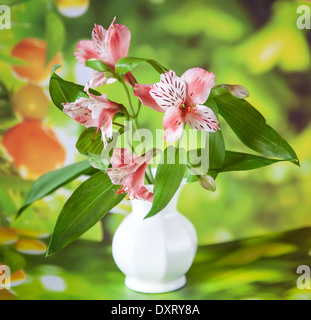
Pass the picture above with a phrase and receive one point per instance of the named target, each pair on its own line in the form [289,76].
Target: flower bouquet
[155,245]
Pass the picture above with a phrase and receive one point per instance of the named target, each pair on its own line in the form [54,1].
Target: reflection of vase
[155,253]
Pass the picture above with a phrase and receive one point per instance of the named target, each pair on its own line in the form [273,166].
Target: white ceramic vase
[155,253]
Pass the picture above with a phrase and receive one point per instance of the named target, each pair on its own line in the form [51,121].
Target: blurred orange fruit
[34,148]
[30,102]
[33,52]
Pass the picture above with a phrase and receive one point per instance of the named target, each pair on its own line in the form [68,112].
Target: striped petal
[170,91]
[203,119]
[142,91]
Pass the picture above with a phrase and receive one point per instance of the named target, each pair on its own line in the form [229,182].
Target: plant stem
[118,124]
[129,99]
[149,177]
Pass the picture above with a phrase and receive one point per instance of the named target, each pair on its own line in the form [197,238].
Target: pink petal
[81,112]
[117,175]
[199,84]
[101,45]
[85,51]
[140,193]
[170,91]
[173,123]
[203,119]
[119,38]
[101,78]
[106,119]
[121,157]
[142,91]
[137,178]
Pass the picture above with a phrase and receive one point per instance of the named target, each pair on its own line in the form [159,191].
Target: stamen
[95,134]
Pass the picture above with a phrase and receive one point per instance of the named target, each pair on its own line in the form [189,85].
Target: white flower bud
[207,182]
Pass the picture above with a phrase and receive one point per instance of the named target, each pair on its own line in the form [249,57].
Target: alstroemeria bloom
[181,99]
[108,46]
[128,170]
[95,111]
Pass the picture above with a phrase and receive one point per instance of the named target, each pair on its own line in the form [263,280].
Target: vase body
[155,253]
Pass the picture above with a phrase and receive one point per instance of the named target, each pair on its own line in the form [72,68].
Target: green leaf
[65,91]
[86,206]
[53,180]
[251,128]
[98,65]
[97,161]
[168,179]
[216,145]
[124,65]
[214,151]
[89,143]
[237,161]
[55,35]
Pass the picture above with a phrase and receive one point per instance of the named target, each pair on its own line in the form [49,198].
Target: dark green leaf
[86,206]
[98,65]
[89,143]
[124,65]
[65,91]
[54,180]
[237,161]
[55,35]
[168,179]
[251,128]
[210,159]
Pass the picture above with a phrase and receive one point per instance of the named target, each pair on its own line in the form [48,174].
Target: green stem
[138,109]
[149,177]
[129,99]
[118,124]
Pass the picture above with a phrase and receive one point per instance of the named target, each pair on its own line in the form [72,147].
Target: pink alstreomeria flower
[181,99]
[128,170]
[108,46]
[96,111]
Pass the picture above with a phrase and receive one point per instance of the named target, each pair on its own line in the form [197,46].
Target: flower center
[188,109]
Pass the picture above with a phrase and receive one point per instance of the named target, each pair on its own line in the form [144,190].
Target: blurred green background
[252,43]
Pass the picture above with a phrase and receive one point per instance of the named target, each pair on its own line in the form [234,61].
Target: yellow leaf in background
[30,246]
[7,236]
[18,278]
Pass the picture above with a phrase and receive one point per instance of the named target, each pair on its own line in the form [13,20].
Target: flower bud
[238,91]
[207,182]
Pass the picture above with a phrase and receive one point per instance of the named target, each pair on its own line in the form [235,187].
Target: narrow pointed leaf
[53,180]
[87,205]
[237,161]
[98,65]
[168,179]
[251,128]
[124,65]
